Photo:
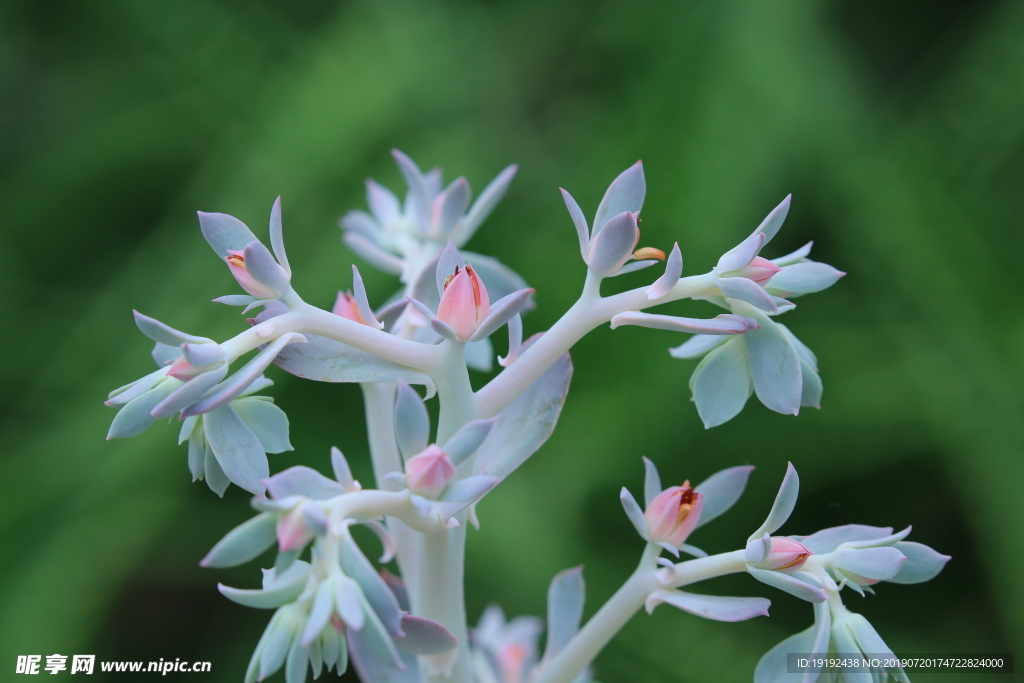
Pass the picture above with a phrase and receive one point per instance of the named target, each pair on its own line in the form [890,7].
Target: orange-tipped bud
[648,253]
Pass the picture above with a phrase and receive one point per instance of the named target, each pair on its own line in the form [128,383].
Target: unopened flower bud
[673,514]
[236,264]
[345,306]
[785,553]
[292,532]
[429,471]
[760,270]
[464,304]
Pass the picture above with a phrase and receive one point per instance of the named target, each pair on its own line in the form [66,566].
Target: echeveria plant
[332,606]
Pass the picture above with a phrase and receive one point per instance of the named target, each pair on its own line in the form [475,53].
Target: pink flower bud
[236,264]
[429,471]
[785,553]
[345,306]
[673,514]
[292,532]
[464,304]
[760,270]
[183,370]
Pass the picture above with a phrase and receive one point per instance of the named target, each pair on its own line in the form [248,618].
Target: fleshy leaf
[871,563]
[923,563]
[774,220]
[501,312]
[245,542]
[827,540]
[165,334]
[652,482]
[742,289]
[716,607]
[424,637]
[697,345]
[467,440]
[527,422]
[782,508]
[268,422]
[224,233]
[633,511]
[741,255]
[189,392]
[613,246]
[237,448]
[447,263]
[326,360]
[774,364]
[721,383]
[790,583]
[302,481]
[626,193]
[721,491]
[565,609]
[284,590]
[485,203]
[579,220]
[135,416]
[673,271]
[412,424]
[373,253]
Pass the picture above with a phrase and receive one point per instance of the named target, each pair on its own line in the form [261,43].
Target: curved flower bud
[784,553]
[429,472]
[464,304]
[263,282]
[673,514]
[760,270]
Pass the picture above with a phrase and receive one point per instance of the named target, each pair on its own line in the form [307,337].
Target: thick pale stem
[627,601]
[587,313]
[379,399]
[312,320]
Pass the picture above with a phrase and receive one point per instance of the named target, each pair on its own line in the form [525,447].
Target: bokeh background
[898,126]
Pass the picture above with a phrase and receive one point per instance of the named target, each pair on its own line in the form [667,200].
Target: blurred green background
[898,126]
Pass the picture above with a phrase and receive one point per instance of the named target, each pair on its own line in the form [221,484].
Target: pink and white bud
[785,553]
[292,532]
[183,370]
[429,471]
[236,264]
[673,514]
[345,306]
[464,304]
[760,270]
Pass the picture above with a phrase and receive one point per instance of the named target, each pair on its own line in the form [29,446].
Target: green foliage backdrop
[899,127]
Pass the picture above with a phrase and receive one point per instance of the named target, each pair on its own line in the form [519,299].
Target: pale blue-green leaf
[626,193]
[418,199]
[224,233]
[197,454]
[803,278]
[448,207]
[774,364]
[782,508]
[275,650]
[891,539]
[326,360]
[716,607]
[164,334]
[268,422]
[236,300]
[319,612]
[633,511]
[634,266]
[527,422]
[923,563]
[286,589]
[376,591]
[374,254]
[579,220]
[373,651]
[412,423]
[424,637]
[721,490]
[566,595]
[216,480]
[238,451]
[245,542]
[501,312]
[188,425]
[789,583]
[869,641]
[259,384]
[724,324]
[362,224]
[740,255]
[515,341]
[871,563]
[296,666]
[302,481]
[742,289]
[802,349]
[673,271]
[342,472]
[448,262]
[136,415]
[774,664]
[757,549]
[277,236]
[774,220]
[810,395]
[652,482]
[163,354]
[484,204]
[697,345]
[854,668]
[613,246]
[721,383]
[383,203]
[348,597]
[827,540]
[692,550]
[467,440]
[189,392]
[499,279]
[203,354]
[794,257]
[260,263]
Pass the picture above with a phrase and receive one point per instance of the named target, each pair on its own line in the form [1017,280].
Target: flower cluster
[332,606]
